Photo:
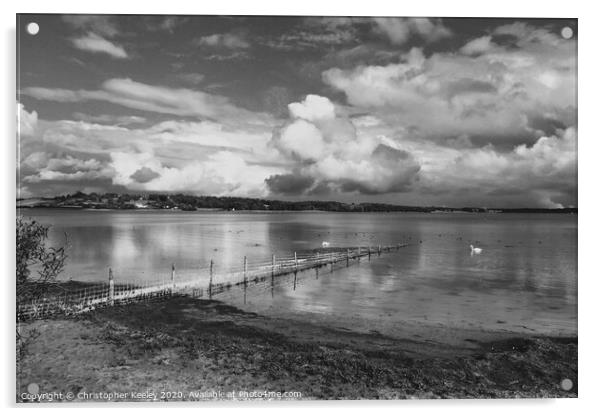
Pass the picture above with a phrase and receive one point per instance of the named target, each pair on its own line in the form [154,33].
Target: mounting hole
[33,388]
[566,32]
[33,28]
[566,384]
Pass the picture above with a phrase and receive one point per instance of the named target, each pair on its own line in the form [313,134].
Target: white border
[589,182]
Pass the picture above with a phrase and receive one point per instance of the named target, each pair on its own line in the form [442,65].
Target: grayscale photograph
[289,208]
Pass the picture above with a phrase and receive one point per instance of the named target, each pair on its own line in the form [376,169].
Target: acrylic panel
[295,208]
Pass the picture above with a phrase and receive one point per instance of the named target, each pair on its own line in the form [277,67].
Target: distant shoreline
[567,211]
[181,202]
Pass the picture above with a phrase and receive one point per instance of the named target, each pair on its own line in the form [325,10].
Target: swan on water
[475,250]
[325,244]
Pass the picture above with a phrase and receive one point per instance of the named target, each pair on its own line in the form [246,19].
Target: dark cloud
[322,189]
[545,125]
[289,184]
[388,154]
[467,86]
[144,175]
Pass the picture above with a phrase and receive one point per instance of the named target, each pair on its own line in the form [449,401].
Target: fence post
[111,288]
[331,262]
[273,268]
[245,271]
[273,264]
[379,250]
[210,278]
[173,276]
[296,263]
[369,253]
[359,254]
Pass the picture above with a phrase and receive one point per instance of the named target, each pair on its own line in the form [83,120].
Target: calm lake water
[525,280]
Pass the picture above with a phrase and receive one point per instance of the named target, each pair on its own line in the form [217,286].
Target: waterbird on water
[475,250]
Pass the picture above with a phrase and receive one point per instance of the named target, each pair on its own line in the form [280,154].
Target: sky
[412,111]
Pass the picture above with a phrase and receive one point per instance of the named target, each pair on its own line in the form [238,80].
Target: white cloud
[477,46]
[197,157]
[224,40]
[208,133]
[67,169]
[302,140]
[26,121]
[97,44]
[544,174]
[36,160]
[159,99]
[223,173]
[328,150]
[313,108]
[109,119]
[495,94]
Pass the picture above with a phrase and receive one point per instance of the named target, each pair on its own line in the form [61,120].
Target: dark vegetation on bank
[192,203]
[184,344]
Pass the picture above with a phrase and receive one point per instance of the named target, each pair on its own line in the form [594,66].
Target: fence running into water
[205,283]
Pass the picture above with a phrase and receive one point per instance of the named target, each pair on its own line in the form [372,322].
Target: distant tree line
[192,202]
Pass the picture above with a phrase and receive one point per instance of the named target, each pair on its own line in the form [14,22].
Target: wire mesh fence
[204,282]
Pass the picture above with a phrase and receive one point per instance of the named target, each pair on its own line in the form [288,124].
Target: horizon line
[267,199]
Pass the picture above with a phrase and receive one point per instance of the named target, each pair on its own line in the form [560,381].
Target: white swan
[325,244]
[475,250]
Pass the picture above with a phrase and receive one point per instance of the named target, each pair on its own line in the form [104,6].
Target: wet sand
[187,345]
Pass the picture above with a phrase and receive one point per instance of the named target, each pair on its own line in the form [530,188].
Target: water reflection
[525,278]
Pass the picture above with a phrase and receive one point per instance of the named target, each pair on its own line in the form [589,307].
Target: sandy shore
[189,349]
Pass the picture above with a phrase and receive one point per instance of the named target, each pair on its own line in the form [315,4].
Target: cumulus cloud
[198,157]
[490,94]
[543,174]
[328,153]
[313,108]
[222,173]
[97,44]
[399,29]
[384,170]
[67,168]
[301,140]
